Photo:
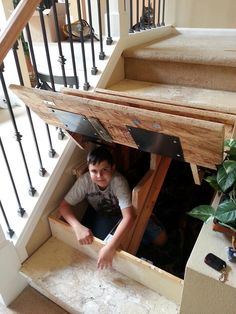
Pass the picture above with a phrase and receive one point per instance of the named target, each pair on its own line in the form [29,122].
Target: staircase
[193,70]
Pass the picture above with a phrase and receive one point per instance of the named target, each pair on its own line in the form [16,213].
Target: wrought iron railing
[146,14]
[82,30]
[84,35]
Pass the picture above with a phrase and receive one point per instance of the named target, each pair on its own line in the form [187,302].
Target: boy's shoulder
[118,178]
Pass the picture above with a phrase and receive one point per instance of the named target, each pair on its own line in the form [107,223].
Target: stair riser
[186,74]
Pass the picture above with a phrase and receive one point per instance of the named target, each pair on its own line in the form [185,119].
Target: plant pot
[218,227]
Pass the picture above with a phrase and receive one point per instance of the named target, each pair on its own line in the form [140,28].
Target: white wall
[204,13]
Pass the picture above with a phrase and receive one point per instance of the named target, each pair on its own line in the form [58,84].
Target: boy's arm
[107,253]
[83,234]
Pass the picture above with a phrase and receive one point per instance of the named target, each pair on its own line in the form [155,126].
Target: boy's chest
[102,200]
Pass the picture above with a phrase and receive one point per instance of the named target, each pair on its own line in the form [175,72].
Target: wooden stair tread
[72,280]
[117,115]
[192,97]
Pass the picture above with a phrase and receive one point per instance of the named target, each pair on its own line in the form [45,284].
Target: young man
[109,198]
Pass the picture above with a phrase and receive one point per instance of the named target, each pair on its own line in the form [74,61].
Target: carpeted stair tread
[212,47]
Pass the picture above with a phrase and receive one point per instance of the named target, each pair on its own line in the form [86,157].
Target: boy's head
[101,166]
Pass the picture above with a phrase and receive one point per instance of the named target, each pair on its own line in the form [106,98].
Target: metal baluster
[10,231]
[131,17]
[109,40]
[45,41]
[137,18]
[94,69]
[149,14]
[71,44]
[102,53]
[159,13]
[163,13]
[86,83]
[52,151]
[21,210]
[142,22]
[61,58]
[18,136]
[42,170]
[154,14]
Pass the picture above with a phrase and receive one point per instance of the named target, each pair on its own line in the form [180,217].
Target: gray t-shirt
[114,198]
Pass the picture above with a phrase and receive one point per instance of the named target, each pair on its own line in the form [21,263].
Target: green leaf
[230,143]
[232,153]
[202,212]
[229,166]
[229,225]
[213,182]
[225,180]
[226,212]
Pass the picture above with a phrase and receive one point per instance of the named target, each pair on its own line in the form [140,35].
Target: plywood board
[197,148]
[72,280]
[148,275]
[147,208]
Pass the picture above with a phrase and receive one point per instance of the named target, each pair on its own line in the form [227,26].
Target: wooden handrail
[15,24]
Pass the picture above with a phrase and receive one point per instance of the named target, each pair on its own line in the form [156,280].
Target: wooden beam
[197,148]
[220,114]
[145,213]
[139,196]
[15,24]
[229,109]
[197,173]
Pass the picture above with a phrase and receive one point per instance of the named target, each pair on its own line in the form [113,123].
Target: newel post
[119,18]
[11,282]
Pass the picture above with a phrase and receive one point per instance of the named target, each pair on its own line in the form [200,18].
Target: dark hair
[98,155]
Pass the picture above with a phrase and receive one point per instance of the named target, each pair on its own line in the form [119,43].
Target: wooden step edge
[148,275]
[158,101]
[210,113]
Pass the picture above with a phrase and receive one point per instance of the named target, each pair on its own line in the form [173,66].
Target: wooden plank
[227,109]
[150,276]
[172,108]
[198,148]
[197,173]
[139,195]
[145,213]
[15,24]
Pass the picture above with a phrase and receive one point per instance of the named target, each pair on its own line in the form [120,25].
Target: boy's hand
[105,257]
[84,235]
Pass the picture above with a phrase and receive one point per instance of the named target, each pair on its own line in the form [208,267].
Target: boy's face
[101,173]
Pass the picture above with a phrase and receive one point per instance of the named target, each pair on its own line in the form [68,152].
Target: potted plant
[224,183]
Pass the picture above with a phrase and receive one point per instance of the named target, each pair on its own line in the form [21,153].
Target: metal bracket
[90,127]
[100,129]
[158,143]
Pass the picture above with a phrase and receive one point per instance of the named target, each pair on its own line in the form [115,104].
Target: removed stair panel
[117,119]
[167,96]
[148,275]
[72,280]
